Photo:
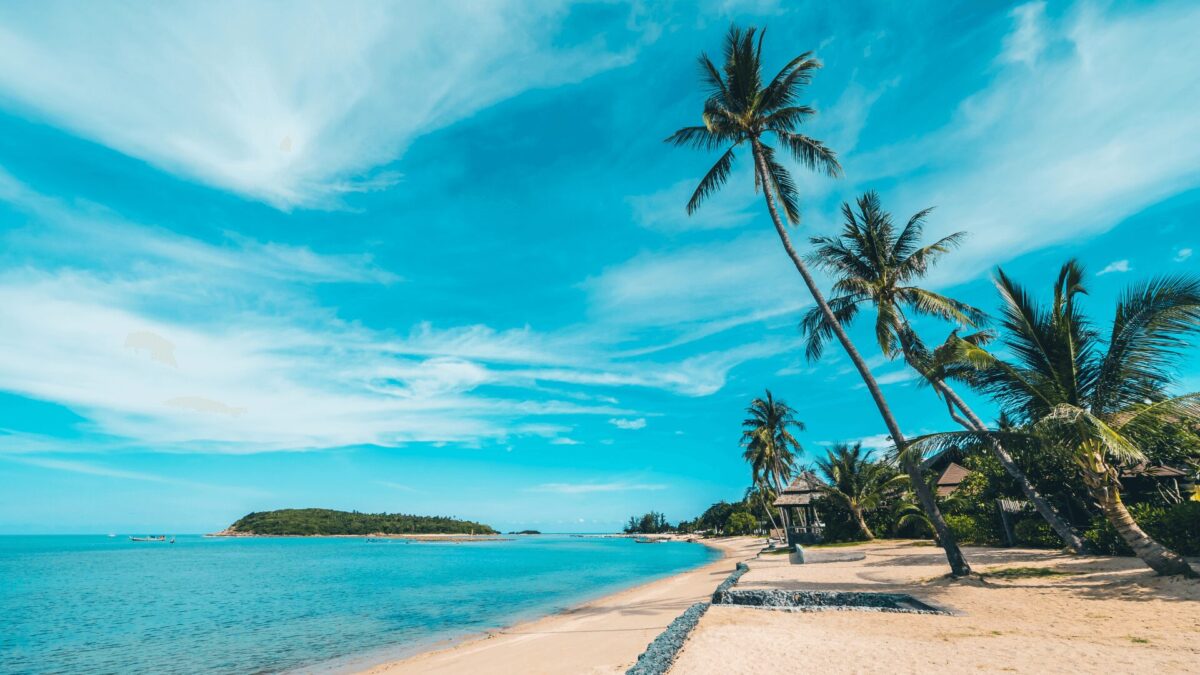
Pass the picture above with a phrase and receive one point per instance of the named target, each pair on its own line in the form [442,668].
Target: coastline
[602,635]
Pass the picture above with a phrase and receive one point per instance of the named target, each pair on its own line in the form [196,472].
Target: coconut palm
[760,495]
[857,483]
[744,111]
[1101,399]
[876,264]
[770,446]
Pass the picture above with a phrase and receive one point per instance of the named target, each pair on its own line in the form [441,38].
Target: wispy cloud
[639,423]
[1026,42]
[565,441]
[1182,254]
[102,471]
[586,488]
[1115,266]
[263,106]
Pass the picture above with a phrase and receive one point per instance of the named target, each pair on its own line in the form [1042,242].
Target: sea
[103,604]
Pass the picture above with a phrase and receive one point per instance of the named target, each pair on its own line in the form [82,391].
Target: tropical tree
[857,483]
[770,446]
[758,499]
[745,111]
[1101,399]
[875,264]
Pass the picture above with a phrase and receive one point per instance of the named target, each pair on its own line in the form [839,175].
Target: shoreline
[602,635]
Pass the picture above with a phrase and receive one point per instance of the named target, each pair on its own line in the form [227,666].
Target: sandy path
[603,636]
[1104,615]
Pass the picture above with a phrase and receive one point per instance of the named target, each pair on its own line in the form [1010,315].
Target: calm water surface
[95,604]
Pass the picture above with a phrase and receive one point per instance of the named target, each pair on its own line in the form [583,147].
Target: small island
[330,523]
[526,532]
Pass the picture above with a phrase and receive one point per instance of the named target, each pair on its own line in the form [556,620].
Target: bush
[1037,533]
[1176,527]
[740,523]
[969,529]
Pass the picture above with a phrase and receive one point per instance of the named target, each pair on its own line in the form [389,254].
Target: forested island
[327,522]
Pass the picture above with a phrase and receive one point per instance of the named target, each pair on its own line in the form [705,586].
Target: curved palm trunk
[972,423]
[1160,558]
[862,524]
[767,510]
[958,563]
[1060,526]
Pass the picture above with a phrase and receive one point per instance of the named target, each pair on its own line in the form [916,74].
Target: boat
[161,537]
[648,540]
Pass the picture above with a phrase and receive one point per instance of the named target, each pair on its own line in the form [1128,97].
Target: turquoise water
[95,604]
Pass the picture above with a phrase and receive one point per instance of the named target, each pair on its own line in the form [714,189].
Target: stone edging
[661,653]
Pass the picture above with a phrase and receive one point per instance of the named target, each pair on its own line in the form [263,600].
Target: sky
[435,259]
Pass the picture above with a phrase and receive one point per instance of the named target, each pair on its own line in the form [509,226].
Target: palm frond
[1150,331]
[811,153]
[816,328]
[712,181]
[780,183]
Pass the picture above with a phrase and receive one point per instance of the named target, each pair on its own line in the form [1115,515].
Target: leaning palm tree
[771,448]
[858,484]
[744,111]
[1099,399]
[876,265]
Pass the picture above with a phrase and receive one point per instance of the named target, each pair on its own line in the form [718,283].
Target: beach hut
[804,525]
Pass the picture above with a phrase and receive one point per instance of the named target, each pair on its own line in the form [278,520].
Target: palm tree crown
[740,109]
[1102,399]
[770,446]
[874,263]
[856,482]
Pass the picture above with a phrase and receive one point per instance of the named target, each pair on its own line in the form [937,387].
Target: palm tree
[857,483]
[770,446]
[874,264]
[1100,399]
[762,493]
[742,110]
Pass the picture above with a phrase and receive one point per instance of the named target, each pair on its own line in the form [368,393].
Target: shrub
[1037,533]
[1176,527]
[970,529]
[740,522]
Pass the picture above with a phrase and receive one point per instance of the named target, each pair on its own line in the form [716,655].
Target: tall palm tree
[742,110]
[771,448]
[877,265]
[857,483]
[1100,399]
[762,493]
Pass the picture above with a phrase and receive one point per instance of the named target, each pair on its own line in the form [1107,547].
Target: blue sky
[436,260]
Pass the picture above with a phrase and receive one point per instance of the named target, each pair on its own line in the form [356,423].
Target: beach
[1095,614]
[1079,614]
[599,637]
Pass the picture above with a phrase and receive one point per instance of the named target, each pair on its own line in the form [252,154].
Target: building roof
[951,478]
[804,488]
[1153,471]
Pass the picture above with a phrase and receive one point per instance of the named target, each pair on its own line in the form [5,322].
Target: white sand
[1110,615]
[604,636]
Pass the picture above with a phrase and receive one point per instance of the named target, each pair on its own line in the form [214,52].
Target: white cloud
[1183,254]
[1020,167]
[1115,266]
[586,488]
[699,290]
[1026,42]
[99,470]
[565,441]
[292,103]
[639,423]
[665,210]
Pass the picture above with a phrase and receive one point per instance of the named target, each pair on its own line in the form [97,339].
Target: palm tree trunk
[1160,558]
[958,563]
[1060,526]
[862,524]
[767,509]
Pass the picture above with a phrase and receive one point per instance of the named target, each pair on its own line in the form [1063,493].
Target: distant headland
[330,523]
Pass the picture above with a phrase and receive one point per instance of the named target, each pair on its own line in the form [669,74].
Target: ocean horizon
[98,604]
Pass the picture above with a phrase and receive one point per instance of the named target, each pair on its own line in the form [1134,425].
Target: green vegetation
[330,522]
[650,523]
[1084,409]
